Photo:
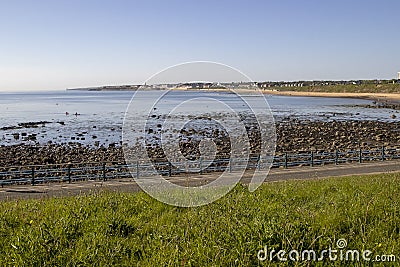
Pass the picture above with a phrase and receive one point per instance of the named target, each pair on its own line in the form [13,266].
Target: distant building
[398,76]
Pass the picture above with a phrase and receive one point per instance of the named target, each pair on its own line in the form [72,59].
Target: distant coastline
[107,88]
[388,90]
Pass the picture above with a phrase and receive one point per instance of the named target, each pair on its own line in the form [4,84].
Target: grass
[106,229]
[363,88]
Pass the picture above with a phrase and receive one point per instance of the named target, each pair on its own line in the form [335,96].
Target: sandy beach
[395,97]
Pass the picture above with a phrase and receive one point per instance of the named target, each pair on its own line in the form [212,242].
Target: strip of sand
[373,96]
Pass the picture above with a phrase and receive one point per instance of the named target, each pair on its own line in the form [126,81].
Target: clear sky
[60,44]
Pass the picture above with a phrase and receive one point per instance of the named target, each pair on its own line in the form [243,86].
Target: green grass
[106,229]
[363,88]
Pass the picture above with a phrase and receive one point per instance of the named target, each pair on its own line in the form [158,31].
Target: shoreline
[385,98]
[392,97]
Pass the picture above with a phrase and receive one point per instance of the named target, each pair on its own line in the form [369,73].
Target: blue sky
[61,44]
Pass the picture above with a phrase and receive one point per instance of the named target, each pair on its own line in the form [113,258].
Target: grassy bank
[350,88]
[133,229]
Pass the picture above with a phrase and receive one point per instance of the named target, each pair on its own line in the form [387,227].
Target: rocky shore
[295,135]
[292,135]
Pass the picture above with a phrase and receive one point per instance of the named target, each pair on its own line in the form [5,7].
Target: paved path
[128,185]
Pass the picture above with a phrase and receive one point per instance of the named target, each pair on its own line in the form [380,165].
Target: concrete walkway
[129,185]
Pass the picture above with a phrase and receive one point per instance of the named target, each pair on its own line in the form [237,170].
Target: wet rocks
[33,124]
[26,125]
[53,153]
[386,104]
[294,135]
[31,137]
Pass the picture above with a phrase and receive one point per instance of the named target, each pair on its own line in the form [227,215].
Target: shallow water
[100,114]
